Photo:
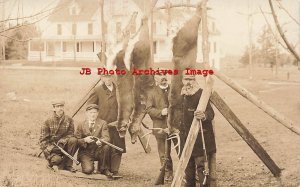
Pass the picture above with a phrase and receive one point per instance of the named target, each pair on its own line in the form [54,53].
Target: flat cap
[58,102]
[92,106]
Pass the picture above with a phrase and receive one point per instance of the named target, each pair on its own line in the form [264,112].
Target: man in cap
[157,108]
[59,129]
[91,149]
[105,97]
[191,93]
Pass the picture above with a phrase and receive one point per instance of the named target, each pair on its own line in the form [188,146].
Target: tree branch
[269,25]
[282,34]
[26,17]
[24,25]
[284,9]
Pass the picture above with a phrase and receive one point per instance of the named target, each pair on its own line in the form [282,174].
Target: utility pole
[250,43]
[103,44]
[276,54]
[151,35]
[74,30]
[168,10]
[2,29]
[250,23]
[299,35]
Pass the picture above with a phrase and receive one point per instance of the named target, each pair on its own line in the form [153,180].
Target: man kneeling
[58,129]
[91,150]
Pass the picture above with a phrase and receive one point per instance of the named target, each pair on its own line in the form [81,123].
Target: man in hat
[59,129]
[191,93]
[91,149]
[157,108]
[105,97]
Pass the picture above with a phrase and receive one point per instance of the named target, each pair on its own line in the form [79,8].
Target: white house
[74,31]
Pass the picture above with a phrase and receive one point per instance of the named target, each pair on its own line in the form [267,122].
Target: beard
[190,89]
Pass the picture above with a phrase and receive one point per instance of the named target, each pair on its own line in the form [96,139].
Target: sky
[230,16]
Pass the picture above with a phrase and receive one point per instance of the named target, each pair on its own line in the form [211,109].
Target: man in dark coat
[157,108]
[59,129]
[91,150]
[105,97]
[191,93]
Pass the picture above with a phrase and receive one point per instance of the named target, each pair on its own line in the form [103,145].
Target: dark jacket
[156,101]
[107,102]
[54,129]
[190,104]
[108,111]
[100,131]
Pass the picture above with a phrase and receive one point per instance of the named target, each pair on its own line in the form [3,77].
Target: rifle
[67,154]
[161,177]
[206,168]
[107,143]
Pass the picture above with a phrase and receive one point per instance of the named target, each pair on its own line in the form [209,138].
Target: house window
[90,28]
[74,29]
[154,28]
[73,11]
[78,47]
[64,49]
[118,27]
[58,29]
[154,47]
[215,47]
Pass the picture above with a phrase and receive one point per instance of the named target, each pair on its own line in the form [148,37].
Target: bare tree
[291,49]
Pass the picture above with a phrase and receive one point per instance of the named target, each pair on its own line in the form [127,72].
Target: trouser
[162,151]
[116,156]
[56,157]
[115,161]
[196,163]
[101,155]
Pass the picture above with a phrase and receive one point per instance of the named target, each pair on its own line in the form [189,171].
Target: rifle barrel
[67,154]
[110,145]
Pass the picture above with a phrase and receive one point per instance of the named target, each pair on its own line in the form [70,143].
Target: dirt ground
[237,165]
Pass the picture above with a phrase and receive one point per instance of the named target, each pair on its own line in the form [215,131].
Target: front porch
[63,50]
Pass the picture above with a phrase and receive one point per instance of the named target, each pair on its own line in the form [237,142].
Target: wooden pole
[192,136]
[151,36]
[205,51]
[84,99]
[2,29]
[258,102]
[103,44]
[150,13]
[250,41]
[205,42]
[244,133]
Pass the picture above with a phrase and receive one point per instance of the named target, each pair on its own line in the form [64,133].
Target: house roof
[87,10]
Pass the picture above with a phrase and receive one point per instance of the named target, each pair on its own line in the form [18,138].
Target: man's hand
[200,115]
[62,142]
[164,112]
[49,148]
[88,139]
[99,143]
[162,131]
[53,138]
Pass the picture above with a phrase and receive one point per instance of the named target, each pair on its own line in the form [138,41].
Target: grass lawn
[237,165]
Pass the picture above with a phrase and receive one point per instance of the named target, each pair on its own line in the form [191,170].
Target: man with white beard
[191,93]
